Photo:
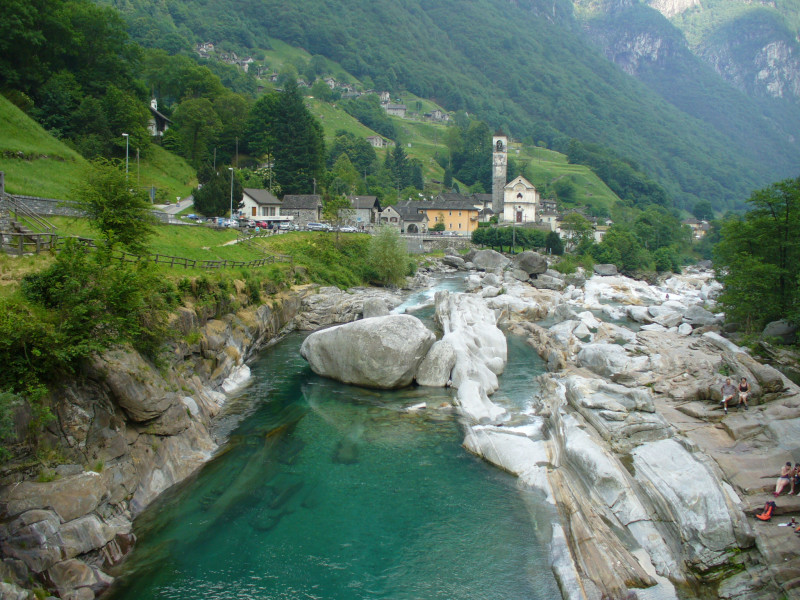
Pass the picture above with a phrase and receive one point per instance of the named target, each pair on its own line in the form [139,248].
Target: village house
[548,214]
[259,203]
[437,115]
[158,122]
[395,110]
[378,141]
[410,218]
[390,216]
[366,210]
[699,228]
[456,212]
[520,201]
[304,208]
[483,202]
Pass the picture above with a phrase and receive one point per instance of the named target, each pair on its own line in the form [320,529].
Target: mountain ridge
[523,66]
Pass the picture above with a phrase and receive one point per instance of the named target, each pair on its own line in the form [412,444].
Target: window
[451,213]
[459,225]
[459,213]
[393,220]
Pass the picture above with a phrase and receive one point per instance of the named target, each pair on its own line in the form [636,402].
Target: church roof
[518,180]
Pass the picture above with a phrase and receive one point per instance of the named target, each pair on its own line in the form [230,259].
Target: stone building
[304,208]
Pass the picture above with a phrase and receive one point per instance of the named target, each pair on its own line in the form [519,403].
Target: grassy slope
[51,169]
[47,167]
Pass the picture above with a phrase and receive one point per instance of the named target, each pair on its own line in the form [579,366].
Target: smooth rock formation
[374,307]
[490,260]
[435,368]
[382,352]
[530,262]
[605,270]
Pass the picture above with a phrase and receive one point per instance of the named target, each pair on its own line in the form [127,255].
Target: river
[324,490]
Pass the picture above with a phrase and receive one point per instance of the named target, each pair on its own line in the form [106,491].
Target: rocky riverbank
[127,430]
[655,486]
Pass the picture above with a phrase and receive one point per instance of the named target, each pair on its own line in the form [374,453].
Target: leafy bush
[388,257]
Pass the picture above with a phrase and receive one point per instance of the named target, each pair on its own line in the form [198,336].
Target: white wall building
[520,201]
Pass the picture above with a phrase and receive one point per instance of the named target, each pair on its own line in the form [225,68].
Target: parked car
[285,225]
[262,224]
[318,227]
[348,229]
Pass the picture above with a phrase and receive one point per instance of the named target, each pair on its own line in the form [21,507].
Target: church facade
[520,201]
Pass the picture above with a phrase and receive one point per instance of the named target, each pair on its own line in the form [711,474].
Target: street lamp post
[231,170]
[127,143]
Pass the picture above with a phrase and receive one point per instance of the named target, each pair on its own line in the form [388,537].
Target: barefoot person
[728,391]
[744,391]
[784,479]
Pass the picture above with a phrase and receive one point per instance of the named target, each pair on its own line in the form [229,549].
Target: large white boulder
[381,352]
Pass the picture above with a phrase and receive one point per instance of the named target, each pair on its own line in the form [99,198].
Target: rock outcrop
[381,352]
[128,431]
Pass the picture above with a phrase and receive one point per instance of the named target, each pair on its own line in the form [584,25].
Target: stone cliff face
[770,69]
[127,431]
[670,8]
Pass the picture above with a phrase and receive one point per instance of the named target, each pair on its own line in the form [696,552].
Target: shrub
[388,257]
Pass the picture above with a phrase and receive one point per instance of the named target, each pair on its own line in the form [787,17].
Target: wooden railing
[190,263]
[27,243]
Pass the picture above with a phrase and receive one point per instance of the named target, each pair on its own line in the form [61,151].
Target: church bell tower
[499,167]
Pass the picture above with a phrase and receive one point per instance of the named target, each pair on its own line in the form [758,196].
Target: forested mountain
[524,66]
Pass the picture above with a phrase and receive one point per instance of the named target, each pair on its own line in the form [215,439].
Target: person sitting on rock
[744,391]
[795,481]
[784,479]
[728,391]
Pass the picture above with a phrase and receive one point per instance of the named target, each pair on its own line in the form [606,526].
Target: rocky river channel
[561,435]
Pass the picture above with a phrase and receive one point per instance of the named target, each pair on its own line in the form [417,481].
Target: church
[520,201]
[514,202]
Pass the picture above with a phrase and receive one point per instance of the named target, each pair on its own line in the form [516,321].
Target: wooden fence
[186,263]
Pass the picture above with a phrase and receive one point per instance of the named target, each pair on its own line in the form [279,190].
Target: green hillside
[37,164]
[524,67]
[423,139]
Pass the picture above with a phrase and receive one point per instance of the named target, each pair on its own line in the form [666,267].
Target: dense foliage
[221,192]
[758,257]
[281,128]
[388,257]
[119,213]
[512,238]
[522,67]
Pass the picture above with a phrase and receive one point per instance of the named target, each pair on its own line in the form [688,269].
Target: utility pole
[236,163]
[127,143]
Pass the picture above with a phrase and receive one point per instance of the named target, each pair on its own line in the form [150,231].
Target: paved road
[174,209]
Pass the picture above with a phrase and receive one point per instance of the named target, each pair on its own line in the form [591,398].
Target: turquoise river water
[333,492]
